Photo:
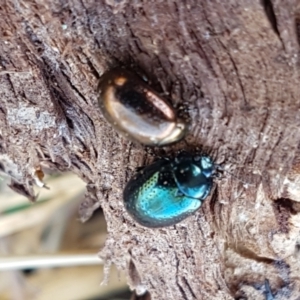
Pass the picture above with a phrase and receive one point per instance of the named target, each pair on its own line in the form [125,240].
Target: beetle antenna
[220,168]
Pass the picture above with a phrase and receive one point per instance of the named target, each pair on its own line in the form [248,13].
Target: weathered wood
[234,64]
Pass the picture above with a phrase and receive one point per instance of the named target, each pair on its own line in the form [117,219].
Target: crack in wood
[283,209]
[239,78]
[184,295]
[297,27]
[74,88]
[189,287]
[270,13]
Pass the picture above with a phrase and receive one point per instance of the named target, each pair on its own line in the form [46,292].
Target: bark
[233,64]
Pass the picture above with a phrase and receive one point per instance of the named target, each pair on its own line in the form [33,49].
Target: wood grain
[233,65]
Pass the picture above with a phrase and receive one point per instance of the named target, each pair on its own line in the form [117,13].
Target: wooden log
[233,64]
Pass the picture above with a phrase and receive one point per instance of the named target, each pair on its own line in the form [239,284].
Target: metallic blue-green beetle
[169,190]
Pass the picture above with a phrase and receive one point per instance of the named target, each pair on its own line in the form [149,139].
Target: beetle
[138,112]
[169,190]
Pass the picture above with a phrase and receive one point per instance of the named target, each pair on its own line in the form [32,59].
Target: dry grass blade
[67,187]
[47,261]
